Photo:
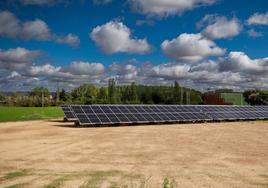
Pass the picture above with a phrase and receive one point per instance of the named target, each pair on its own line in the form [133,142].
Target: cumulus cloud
[237,70]
[220,27]
[70,39]
[16,58]
[258,19]
[37,29]
[240,62]
[76,73]
[115,37]
[18,54]
[12,27]
[86,68]
[198,75]
[171,71]
[21,65]
[205,73]
[13,74]
[162,8]
[43,70]
[190,47]
[19,68]
[124,72]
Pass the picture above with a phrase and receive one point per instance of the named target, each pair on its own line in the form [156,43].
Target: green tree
[40,96]
[112,91]
[256,97]
[62,95]
[176,93]
[2,97]
[133,92]
[65,97]
[85,94]
[103,95]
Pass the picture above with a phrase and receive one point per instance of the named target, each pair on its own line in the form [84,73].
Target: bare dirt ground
[54,154]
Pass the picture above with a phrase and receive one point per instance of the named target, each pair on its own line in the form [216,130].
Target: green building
[233,98]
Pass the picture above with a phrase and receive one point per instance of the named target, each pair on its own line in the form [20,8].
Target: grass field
[29,113]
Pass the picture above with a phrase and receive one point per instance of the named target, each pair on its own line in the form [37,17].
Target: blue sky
[200,43]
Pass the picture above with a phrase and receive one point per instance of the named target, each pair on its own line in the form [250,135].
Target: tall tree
[2,97]
[176,93]
[133,92]
[103,95]
[85,94]
[112,90]
[65,97]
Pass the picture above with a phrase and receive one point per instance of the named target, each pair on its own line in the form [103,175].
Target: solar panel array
[68,112]
[235,112]
[133,114]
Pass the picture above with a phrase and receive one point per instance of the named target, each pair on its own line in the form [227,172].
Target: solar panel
[132,114]
[235,112]
[68,112]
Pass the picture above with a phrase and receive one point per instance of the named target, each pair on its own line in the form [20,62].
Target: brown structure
[214,99]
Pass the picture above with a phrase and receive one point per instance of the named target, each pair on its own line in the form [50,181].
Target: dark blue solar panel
[68,112]
[113,114]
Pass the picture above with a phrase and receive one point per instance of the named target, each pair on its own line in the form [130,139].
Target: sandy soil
[51,153]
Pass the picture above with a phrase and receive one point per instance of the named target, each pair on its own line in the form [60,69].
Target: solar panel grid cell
[68,112]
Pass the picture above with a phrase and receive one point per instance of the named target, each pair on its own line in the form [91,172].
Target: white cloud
[37,29]
[12,27]
[18,55]
[124,72]
[190,47]
[13,74]
[17,58]
[253,33]
[70,39]
[115,37]
[258,19]
[162,8]
[220,27]
[210,66]
[240,62]
[236,70]
[171,71]
[86,68]
[43,70]
[19,69]
[205,73]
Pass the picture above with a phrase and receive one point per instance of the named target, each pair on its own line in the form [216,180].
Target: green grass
[97,178]
[94,179]
[29,113]
[57,182]
[14,174]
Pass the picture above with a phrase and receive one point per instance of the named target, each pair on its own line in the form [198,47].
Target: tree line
[120,94]
[131,94]
[111,94]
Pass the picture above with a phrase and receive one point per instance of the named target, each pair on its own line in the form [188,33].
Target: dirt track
[200,155]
